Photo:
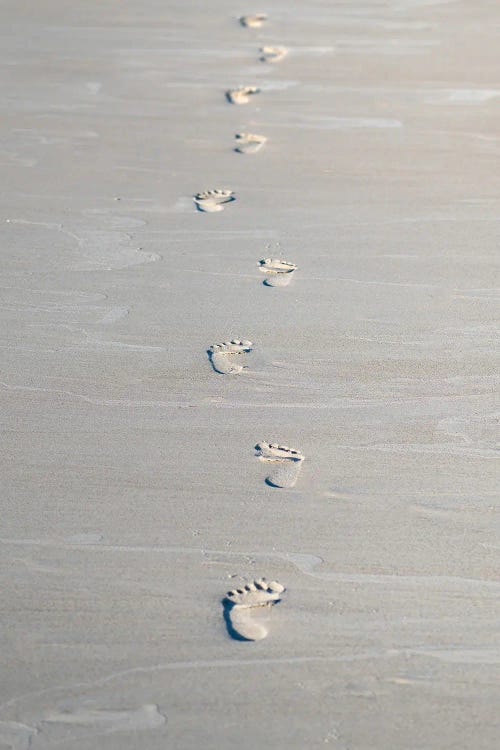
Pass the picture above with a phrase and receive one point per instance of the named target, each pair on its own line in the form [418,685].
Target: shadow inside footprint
[223,365]
[227,607]
[270,483]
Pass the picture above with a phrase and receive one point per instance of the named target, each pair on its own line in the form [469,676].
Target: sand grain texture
[131,499]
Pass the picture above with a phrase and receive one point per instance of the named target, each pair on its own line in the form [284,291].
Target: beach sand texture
[132,498]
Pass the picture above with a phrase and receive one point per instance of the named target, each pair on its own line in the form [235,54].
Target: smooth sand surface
[132,499]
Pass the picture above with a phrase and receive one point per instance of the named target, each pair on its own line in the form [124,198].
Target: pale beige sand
[131,498]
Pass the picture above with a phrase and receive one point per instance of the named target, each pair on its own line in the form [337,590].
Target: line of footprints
[247,609]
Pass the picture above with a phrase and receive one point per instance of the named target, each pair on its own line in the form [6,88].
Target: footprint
[249,143]
[247,610]
[213,200]
[253,22]
[278,272]
[286,464]
[241,95]
[272,54]
[221,356]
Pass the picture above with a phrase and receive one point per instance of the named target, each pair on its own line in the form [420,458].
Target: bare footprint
[211,201]
[249,143]
[253,22]
[221,356]
[272,54]
[247,610]
[242,94]
[278,272]
[285,464]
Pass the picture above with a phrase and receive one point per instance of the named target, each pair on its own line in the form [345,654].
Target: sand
[132,496]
